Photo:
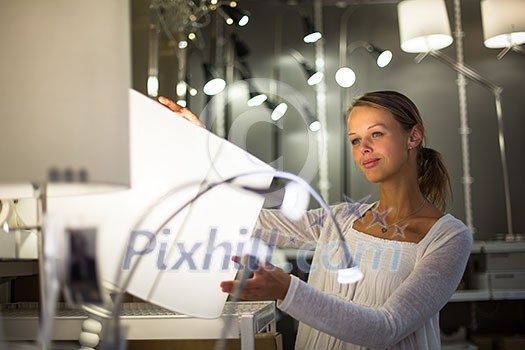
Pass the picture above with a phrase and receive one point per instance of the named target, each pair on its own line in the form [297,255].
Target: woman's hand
[181,111]
[268,283]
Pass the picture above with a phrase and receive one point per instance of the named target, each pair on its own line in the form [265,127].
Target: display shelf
[15,268]
[487,294]
[471,295]
[508,294]
[498,246]
[142,321]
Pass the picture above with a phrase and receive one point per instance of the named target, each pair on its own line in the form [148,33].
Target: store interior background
[275,27]
[430,84]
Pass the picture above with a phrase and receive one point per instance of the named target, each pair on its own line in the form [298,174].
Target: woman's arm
[427,289]
[274,228]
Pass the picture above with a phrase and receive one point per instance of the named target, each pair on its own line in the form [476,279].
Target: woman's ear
[416,136]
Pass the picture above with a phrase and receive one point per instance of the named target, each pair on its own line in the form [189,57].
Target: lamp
[313,77]
[423,25]
[278,110]
[497,91]
[234,15]
[183,87]
[65,122]
[214,83]
[503,24]
[152,84]
[313,123]
[426,45]
[155,170]
[256,98]
[382,57]
[345,76]
[311,35]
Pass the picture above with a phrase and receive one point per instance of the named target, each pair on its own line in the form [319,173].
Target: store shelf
[471,295]
[498,246]
[15,268]
[508,294]
[487,294]
[146,321]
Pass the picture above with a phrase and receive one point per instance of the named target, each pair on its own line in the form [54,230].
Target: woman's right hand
[181,111]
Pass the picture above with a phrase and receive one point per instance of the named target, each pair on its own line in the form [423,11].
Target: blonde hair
[433,178]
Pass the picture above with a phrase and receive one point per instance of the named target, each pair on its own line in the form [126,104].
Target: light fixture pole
[496,90]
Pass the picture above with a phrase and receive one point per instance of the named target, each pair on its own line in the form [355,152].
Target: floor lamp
[427,38]
[497,91]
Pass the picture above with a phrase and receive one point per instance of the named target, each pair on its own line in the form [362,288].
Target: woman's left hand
[181,111]
[268,283]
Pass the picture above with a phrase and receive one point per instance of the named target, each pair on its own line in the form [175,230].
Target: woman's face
[379,143]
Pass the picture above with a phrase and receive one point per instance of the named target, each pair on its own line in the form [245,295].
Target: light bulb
[243,21]
[315,78]
[153,86]
[315,125]
[312,37]
[384,58]
[279,111]
[345,77]
[257,100]
[214,86]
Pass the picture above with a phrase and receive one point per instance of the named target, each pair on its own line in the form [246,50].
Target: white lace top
[396,304]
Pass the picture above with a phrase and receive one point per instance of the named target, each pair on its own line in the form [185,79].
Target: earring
[409,148]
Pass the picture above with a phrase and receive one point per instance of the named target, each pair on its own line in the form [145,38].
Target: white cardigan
[396,305]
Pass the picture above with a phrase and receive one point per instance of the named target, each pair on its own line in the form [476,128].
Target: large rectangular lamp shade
[65,75]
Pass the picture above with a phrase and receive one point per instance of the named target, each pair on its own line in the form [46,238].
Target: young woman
[411,253]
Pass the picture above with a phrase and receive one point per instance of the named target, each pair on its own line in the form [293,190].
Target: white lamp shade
[503,22]
[65,68]
[210,230]
[423,25]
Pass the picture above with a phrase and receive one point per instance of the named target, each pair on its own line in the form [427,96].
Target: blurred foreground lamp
[423,25]
[64,110]
[214,83]
[503,23]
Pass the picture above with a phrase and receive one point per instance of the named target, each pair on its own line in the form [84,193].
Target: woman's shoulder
[445,229]
[449,224]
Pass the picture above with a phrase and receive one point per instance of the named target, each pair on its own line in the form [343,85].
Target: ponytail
[433,178]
